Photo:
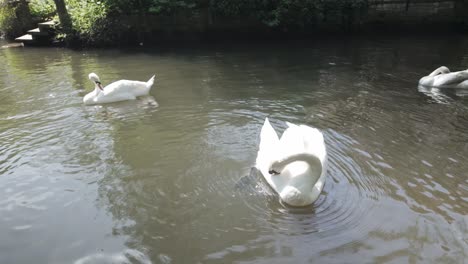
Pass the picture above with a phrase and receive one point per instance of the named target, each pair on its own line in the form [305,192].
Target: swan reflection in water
[134,109]
[442,96]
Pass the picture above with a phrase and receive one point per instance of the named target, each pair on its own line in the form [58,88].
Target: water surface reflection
[157,180]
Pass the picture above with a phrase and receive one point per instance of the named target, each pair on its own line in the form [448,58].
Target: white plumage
[443,78]
[117,91]
[295,165]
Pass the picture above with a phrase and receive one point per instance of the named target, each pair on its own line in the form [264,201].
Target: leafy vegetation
[7,19]
[86,17]
[14,17]
[98,21]
[42,9]
[151,6]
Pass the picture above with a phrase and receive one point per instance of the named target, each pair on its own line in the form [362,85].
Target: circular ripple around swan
[348,196]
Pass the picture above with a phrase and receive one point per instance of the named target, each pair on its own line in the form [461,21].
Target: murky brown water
[134,183]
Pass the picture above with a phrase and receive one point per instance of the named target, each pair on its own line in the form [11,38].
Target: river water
[136,182]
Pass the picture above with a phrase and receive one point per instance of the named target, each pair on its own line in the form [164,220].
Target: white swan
[295,165]
[443,78]
[117,91]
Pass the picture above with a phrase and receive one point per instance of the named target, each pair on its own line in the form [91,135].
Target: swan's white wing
[125,86]
[315,144]
[268,146]
[291,141]
[268,136]
[299,139]
[269,150]
[313,141]
[295,140]
[291,124]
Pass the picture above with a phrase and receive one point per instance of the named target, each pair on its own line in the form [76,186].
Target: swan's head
[276,167]
[95,79]
[444,69]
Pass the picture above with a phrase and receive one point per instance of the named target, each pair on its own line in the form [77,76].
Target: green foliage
[149,6]
[7,17]
[42,9]
[85,16]
[8,21]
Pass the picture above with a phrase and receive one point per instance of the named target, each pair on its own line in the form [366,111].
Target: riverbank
[202,25]
[206,41]
[109,24]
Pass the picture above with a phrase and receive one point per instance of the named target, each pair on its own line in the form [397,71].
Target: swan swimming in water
[295,165]
[443,78]
[117,91]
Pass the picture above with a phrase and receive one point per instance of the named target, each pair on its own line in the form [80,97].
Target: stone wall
[413,11]
[399,16]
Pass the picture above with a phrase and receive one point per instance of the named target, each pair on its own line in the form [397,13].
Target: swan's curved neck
[97,89]
[312,160]
[440,70]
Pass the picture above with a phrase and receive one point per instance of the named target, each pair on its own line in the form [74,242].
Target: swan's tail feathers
[150,82]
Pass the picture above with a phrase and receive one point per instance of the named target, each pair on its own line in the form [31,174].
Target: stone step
[38,32]
[47,24]
[12,45]
[39,36]
[25,38]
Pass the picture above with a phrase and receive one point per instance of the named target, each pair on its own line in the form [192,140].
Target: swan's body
[295,165]
[117,91]
[443,78]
